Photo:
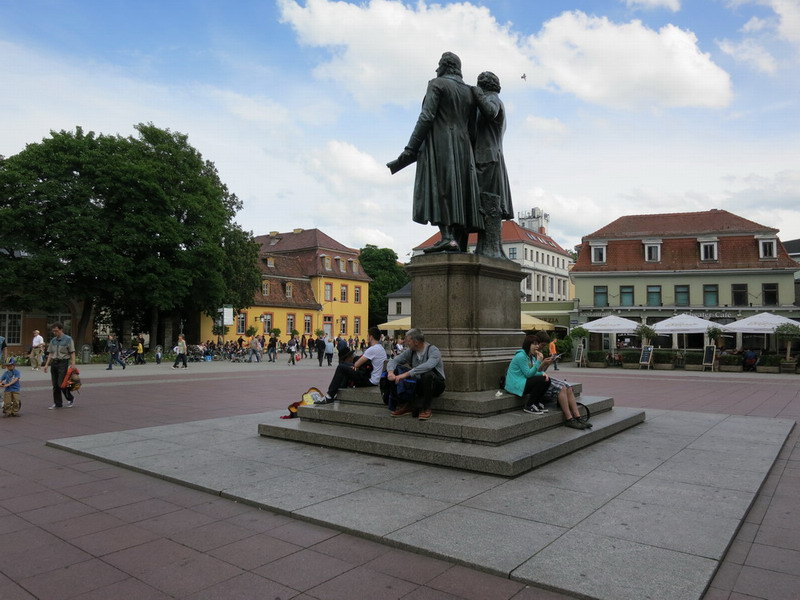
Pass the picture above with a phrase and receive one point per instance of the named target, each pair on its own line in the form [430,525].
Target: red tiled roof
[682,254]
[301,239]
[709,222]
[286,269]
[512,232]
[309,246]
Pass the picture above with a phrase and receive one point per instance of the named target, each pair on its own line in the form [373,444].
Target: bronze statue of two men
[461,183]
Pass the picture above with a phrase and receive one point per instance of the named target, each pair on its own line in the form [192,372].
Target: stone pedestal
[469,307]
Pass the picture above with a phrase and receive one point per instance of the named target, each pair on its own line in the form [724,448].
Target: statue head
[489,82]
[449,64]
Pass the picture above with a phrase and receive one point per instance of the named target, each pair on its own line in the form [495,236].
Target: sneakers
[70,403]
[533,410]
[425,415]
[53,407]
[325,400]
[542,408]
[574,424]
[401,411]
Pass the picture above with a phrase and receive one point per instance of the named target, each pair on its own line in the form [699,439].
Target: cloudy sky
[626,107]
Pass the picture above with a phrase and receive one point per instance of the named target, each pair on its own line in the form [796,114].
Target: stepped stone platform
[484,432]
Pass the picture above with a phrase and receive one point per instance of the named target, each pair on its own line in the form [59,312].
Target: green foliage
[220,330]
[770,360]
[714,334]
[319,332]
[693,358]
[789,333]
[664,357]
[135,227]
[251,331]
[276,332]
[730,359]
[578,332]
[565,347]
[645,332]
[630,356]
[387,276]
[596,355]
[294,333]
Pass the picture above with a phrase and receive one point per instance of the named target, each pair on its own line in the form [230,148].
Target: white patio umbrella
[759,323]
[611,324]
[684,324]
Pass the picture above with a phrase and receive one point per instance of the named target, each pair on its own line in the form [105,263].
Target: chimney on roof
[543,230]
[298,230]
[273,233]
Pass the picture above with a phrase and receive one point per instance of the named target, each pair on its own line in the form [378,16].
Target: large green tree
[388,276]
[136,227]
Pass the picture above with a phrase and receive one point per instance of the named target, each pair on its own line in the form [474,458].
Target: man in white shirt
[37,348]
[363,372]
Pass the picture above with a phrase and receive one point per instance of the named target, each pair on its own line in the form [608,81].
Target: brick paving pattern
[76,528]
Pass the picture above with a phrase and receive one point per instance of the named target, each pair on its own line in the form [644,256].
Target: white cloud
[384,50]
[628,65]
[673,5]
[754,24]
[788,12]
[751,53]
[547,129]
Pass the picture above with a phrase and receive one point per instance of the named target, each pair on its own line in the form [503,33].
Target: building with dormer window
[713,264]
[310,282]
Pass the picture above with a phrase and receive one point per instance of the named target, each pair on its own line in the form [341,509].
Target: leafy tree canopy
[387,276]
[133,226]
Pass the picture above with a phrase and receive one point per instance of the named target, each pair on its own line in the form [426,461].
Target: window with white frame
[265,288]
[11,327]
[290,323]
[343,293]
[328,292]
[307,324]
[599,254]
[357,294]
[241,323]
[708,250]
[356,325]
[512,253]
[652,250]
[767,249]
[343,329]
[289,289]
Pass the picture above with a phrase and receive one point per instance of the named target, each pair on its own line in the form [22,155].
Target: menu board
[647,355]
[708,355]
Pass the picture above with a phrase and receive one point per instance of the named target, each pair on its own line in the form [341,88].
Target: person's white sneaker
[52,407]
[70,403]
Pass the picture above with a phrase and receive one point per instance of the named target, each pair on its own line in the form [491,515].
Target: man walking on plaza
[61,355]
[37,349]
[113,348]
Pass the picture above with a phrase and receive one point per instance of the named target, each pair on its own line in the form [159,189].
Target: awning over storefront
[403,323]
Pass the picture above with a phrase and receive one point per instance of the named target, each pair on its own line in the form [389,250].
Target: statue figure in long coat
[490,165]
[446,187]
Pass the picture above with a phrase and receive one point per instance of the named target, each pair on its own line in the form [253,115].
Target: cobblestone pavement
[77,528]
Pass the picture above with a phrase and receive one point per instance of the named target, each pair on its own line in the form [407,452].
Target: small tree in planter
[730,363]
[769,363]
[319,333]
[646,333]
[714,334]
[693,361]
[790,333]
[276,332]
[251,331]
[630,359]
[664,359]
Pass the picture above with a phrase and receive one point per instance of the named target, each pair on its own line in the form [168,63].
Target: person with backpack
[365,371]
[427,368]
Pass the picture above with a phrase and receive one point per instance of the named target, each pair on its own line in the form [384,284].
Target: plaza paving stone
[34,477]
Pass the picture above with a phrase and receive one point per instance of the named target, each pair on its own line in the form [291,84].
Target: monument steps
[508,459]
[473,404]
[494,430]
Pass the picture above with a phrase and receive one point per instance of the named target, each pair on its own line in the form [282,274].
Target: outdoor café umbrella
[684,324]
[759,323]
[528,321]
[403,323]
[611,324]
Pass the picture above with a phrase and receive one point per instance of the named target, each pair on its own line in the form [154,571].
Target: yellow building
[310,282]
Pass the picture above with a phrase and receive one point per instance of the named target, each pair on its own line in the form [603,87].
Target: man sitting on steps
[427,369]
[363,372]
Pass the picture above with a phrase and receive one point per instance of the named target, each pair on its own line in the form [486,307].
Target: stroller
[128,356]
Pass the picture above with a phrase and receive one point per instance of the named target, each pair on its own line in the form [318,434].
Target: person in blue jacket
[526,377]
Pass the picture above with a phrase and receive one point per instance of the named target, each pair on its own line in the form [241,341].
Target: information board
[647,356]
[579,355]
[709,355]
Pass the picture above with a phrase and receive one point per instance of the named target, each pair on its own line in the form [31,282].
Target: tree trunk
[153,328]
[83,322]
